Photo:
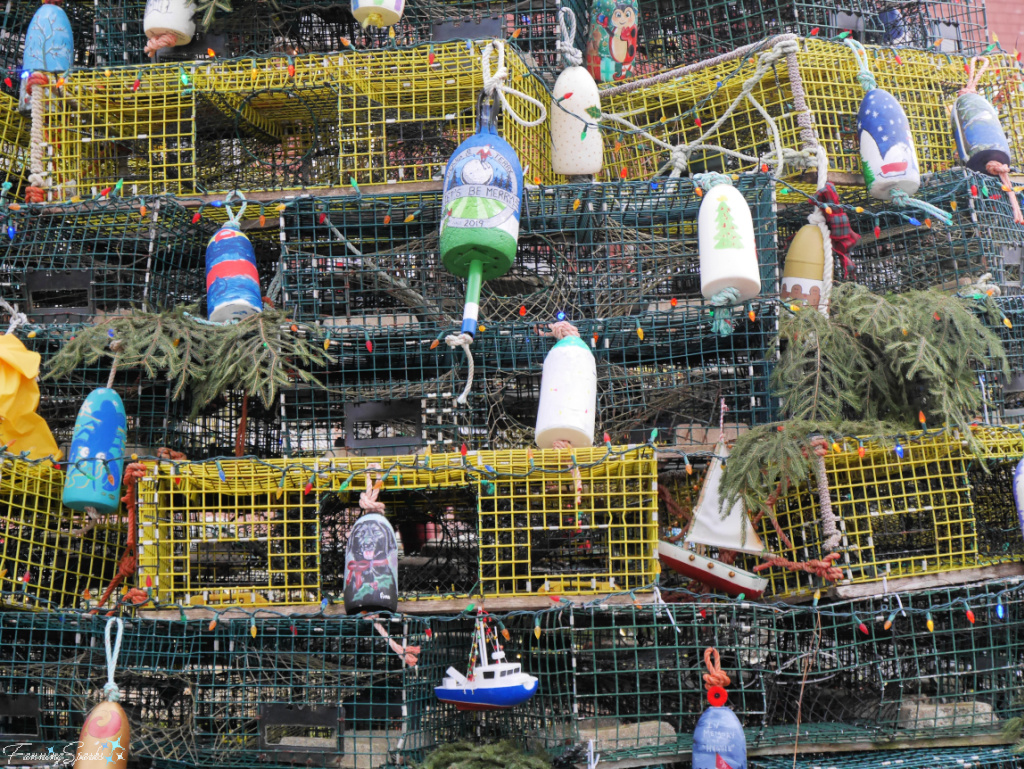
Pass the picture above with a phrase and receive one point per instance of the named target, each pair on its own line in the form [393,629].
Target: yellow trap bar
[934,510]
[491,524]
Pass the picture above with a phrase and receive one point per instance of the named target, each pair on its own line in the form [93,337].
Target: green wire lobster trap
[977,757]
[674,33]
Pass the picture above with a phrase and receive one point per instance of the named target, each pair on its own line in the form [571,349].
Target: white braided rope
[110,688]
[35,178]
[567,36]
[817,218]
[17,318]
[463,340]
[494,85]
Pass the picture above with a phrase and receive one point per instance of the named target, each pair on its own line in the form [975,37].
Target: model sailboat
[708,529]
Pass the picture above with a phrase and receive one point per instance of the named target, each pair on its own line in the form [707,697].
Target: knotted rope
[729,296]
[17,318]
[829,527]
[824,568]
[494,85]
[129,559]
[368,499]
[817,218]
[36,190]
[235,219]
[409,654]
[463,340]
[565,44]
[154,44]
[715,676]
[864,76]
[111,689]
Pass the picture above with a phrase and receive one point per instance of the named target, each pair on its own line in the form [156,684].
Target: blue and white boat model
[495,685]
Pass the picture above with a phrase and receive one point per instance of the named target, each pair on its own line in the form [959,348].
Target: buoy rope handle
[975,70]
[463,340]
[494,85]
[110,689]
[715,676]
[864,76]
[129,559]
[409,654]
[232,219]
[17,318]
[565,44]
[36,190]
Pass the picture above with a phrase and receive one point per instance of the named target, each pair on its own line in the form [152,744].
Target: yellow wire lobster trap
[51,556]
[14,141]
[489,523]
[348,119]
[733,113]
[921,504]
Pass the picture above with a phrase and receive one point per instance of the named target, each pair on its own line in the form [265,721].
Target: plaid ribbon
[844,239]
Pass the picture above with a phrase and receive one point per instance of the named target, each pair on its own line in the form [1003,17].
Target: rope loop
[368,499]
[901,198]
[711,179]
[565,44]
[714,676]
[17,318]
[232,219]
[110,689]
[494,85]
[974,73]
[463,340]
[864,76]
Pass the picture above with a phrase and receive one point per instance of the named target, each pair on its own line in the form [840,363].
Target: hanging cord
[463,340]
[864,76]
[819,447]
[17,318]
[110,689]
[817,218]
[494,85]
[715,676]
[368,499]
[560,330]
[129,559]
[154,44]
[409,654]
[232,218]
[975,70]
[36,190]
[824,567]
[565,44]
[115,346]
[728,297]
[901,198]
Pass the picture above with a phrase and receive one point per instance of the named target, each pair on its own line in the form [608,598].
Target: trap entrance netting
[241,692]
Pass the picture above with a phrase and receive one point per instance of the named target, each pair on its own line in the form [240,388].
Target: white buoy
[378,13]
[725,237]
[576,144]
[568,395]
[170,17]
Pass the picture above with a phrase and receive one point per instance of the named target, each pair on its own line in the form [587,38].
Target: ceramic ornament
[718,740]
[567,406]
[168,23]
[483,186]
[577,148]
[803,273]
[378,13]
[371,566]
[96,458]
[612,43]
[980,141]
[48,42]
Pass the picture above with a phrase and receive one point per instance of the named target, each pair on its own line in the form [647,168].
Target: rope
[819,447]
[817,218]
[110,689]
[464,341]
[17,318]
[368,499]
[714,676]
[36,191]
[560,330]
[864,76]
[567,36]
[494,85]
[166,40]
[824,568]
[115,345]
[232,219]
[901,198]
[724,300]
[974,73]
[129,559]
[408,654]
[1002,170]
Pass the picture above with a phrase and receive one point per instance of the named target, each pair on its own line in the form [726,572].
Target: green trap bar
[978,757]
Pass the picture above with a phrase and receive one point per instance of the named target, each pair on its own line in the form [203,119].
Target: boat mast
[481,643]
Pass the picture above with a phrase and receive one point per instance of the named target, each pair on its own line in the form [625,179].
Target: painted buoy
[725,239]
[1018,493]
[378,13]
[49,46]
[371,566]
[978,134]
[576,144]
[568,395]
[804,268]
[232,281]
[96,458]
[24,98]
[170,17]
[611,46]
[718,740]
[483,186]
[887,154]
[103,743]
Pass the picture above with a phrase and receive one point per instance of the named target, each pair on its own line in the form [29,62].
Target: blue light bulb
[914,222]
[899,450]
[560,315]
[1000,609]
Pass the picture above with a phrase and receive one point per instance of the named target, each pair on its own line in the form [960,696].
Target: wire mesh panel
[905,508]
[979,757]
[80,262]
[233,425]
[50,555]
[900,256]
[14,141]
[697,108]
[677,32]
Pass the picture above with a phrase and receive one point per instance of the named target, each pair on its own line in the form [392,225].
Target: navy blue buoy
[978,134]
[718,740]
[96,459]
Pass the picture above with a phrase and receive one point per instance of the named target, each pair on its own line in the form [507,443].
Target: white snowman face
[477,172]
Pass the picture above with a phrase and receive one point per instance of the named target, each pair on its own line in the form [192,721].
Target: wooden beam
[928,581]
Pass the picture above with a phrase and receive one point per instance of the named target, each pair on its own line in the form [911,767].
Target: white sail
[708,527]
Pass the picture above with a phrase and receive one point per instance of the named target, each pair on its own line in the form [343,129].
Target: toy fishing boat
[495,685]
[709,529]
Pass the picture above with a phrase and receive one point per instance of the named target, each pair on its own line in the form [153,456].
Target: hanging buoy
[980,141]
[483,185]
[378,13]
[49,46]
[106,733]
[612,43]
[168,23]
[1018,493]
[232,280]
[371,566]
[888,156]
[804,267]
[576,144]
[718,740]
[96,458]
[567,406]
[729,274]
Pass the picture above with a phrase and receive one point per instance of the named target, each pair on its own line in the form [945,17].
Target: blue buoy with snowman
[96,459]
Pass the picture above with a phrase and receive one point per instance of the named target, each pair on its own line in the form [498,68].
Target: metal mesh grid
[978,757]
[674,33]
[80,262]
[50,555]
[900,516]
[903,257]
[14,141]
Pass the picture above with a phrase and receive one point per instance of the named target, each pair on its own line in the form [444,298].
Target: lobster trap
[50,555]
[261,533]
[674,33]
[14,141]
[811,97]
[913,505]
[900,256]
[977,757]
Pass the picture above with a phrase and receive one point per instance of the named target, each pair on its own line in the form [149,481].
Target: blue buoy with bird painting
[96,459]
[49,46]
